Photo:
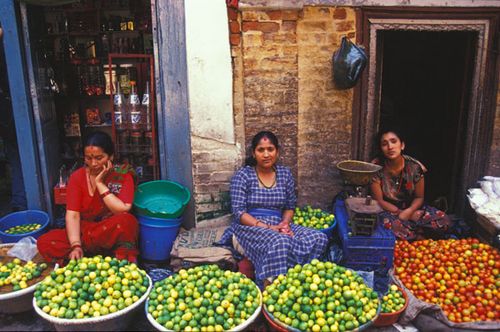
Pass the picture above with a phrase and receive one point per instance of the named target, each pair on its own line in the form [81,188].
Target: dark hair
[101,140]
[250,160]
[376,147]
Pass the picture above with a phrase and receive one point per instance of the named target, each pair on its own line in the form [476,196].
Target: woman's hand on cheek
[105,170]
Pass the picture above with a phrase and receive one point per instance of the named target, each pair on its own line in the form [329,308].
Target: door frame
[22,105]
[481,109]
[174,129]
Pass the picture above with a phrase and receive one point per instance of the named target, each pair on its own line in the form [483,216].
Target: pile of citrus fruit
[461,276]
[22,229]
[393,300]
[203,298]
[19,275]
[321,296]
[91,287]
[313,218]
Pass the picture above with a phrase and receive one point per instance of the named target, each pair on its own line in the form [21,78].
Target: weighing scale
[361,208]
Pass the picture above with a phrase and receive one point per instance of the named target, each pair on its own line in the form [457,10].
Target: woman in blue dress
[263,201]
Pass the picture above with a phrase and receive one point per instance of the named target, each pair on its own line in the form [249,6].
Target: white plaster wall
[210,80]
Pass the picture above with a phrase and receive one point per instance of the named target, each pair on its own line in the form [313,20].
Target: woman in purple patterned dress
[263,201]
[399,189]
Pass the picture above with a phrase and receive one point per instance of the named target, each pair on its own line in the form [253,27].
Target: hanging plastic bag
[348,64]
[24,249]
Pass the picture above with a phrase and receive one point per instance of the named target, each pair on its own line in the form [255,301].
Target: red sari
[101,231]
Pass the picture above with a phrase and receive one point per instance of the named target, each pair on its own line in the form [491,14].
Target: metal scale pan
[362,210]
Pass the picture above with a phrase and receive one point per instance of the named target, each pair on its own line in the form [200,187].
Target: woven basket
[389,318]
[117,321]
[240,327]
[18,301]
[357,172]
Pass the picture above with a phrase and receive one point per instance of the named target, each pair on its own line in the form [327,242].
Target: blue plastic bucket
[23,218]
[157,236]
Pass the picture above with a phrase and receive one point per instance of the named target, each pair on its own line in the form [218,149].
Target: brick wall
[282,82]
[213,165]
[270,78]
[325,113]
[286,64]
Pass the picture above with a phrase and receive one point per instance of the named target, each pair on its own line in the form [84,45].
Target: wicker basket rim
[376,168]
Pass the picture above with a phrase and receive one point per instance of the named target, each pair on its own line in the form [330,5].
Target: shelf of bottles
[130,81]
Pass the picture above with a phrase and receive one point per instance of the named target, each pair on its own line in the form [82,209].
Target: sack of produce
[195,247]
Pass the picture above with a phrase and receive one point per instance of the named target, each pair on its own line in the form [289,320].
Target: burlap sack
[194,247]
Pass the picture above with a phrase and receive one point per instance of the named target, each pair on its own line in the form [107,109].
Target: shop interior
[93,66]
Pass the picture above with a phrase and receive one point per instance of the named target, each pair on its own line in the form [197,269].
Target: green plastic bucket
[161,199]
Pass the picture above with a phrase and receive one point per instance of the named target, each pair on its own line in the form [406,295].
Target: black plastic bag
[348,64]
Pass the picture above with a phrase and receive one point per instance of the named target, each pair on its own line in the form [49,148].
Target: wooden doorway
[425,92]
[458,157]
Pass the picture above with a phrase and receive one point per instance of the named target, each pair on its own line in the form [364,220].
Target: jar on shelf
[124,77]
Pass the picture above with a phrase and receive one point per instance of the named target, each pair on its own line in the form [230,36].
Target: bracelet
[104,194]
[73,247]
[256,223]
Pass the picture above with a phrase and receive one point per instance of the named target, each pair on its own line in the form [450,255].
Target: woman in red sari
[99,199]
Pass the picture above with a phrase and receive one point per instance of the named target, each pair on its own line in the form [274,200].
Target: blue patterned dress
[271,253]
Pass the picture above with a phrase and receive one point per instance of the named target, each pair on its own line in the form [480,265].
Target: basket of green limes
[18,280]
[92,294]
[204,298]
[394,302]
[320,296]
[315,218]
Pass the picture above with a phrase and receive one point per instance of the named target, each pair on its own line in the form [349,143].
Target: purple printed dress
[400,191]
[271,253]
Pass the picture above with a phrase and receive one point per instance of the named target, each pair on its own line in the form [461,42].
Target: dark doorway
[425,91]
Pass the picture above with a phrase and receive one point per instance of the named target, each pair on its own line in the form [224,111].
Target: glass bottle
[119,109]
[146,109]
[135,109]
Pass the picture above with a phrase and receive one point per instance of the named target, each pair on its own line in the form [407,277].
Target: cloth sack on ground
[195,247]
[417,306]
